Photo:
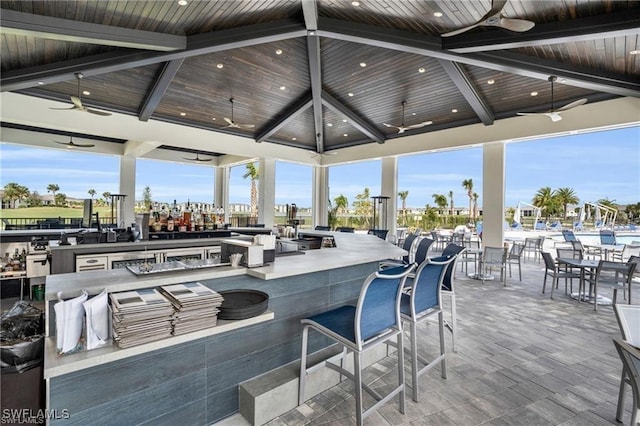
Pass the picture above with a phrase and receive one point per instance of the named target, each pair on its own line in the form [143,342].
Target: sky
[595,165]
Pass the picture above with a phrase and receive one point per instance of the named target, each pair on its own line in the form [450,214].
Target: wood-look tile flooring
[522,359]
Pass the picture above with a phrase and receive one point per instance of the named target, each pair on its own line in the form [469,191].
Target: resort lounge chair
[516,226]
[541,226]
[577,226]
[555,226]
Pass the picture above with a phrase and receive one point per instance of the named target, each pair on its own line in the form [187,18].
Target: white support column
[389,188]
[320,191]
[128,188]
[267,192]
[221,192]
[493,176]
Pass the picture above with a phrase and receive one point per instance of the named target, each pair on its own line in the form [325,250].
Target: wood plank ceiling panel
[388,79]
[610,54]
[124,90]
[339,131]
[261,81]
[301,128]
[510,92]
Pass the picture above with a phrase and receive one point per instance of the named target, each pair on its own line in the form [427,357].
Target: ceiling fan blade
[96,112]
[573,104]
[77,102]
[389,125]
[532,113]
[554,116]
[419,125]
[517,25]
[72,144]
[459,31]
[62,109]
[229,121]
[246,126]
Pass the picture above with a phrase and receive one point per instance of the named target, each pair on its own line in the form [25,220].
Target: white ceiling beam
[139,148]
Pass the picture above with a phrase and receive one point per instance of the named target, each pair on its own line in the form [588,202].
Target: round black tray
[242,304]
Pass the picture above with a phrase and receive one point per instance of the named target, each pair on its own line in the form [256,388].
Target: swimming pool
[594,238]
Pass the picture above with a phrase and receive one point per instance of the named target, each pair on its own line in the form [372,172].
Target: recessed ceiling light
[363,64]
[454,110]
[282,87]
[86,92]
[344,120]
[312,32]
[278,51]
[41,82]
[329,124]
[350,94]
[220,66]
[213,118]
[294,139]
[437,14]
[635,52]
[355,3]
[562,80]
[491,81]
[345,134]
[413,113]
[183,114]
[182,2]
[534,93]
[421,70]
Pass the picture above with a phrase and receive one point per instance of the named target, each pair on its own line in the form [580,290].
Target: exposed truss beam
[160,86]
[289,114]
[310,13]
[467,89]
[313,50]
[201,44]
[39,26]
[619,24]
[526,66]
[356,121]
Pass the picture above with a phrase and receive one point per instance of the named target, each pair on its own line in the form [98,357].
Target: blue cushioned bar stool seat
[448,289]
[374,320]
[422,301]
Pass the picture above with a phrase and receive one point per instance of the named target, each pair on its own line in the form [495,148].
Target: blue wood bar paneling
[197,383]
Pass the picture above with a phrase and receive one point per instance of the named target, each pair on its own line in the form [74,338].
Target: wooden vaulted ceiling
[295,67]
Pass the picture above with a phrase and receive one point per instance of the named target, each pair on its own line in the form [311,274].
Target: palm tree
[475,206]
[545,200]
[15,192]
[341,204]
[252,172]
[566,196]
[106,196]
[468,185]
[92,192]
[53,188]
[403,196]
[363,207]
[441,201]
[451,201]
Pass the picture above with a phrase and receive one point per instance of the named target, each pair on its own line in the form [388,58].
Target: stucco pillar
[267,191]
[389,188]
[493,177]
[320,195]
[128,188]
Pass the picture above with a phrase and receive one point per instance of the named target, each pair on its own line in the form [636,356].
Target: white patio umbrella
[516,214]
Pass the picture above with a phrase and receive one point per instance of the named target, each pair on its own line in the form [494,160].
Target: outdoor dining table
[592,265]
[606,248]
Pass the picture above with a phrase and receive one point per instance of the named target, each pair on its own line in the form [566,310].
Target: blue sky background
[596,165]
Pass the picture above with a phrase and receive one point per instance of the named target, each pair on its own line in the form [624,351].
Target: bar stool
[424,301]
[448,289]
[374,320]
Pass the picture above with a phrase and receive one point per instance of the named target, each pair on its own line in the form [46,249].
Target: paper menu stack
[69,323]
[98,325]
[140,316]
[196,306]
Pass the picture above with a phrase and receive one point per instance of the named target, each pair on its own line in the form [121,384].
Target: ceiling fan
[71,144]
[314,154]
[553,113]
[402,128]
[197,158]
[235,125]
[495,18]
[77,101]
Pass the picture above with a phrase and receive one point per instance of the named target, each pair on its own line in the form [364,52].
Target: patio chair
[322,228]
[630,357]
[515,258]
[345,229]
[607,237]
[373,321]
[409,245]
[551,269]
[470,255]
[570,253]
[449,290]
[380,233]
[533,246]
[568,235]
[494,257]
[422,250]
[636,271]
[609,273]
[424,301]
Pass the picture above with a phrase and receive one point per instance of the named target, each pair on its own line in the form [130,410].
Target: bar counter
[193,379]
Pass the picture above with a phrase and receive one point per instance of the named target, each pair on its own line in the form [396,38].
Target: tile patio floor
[522,359]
